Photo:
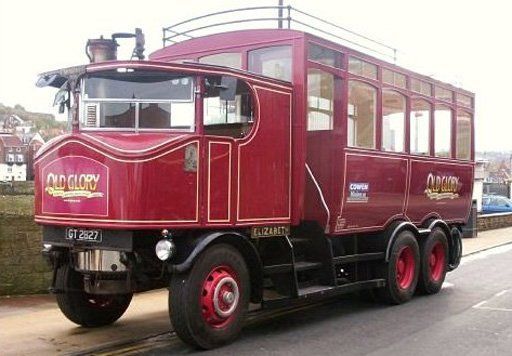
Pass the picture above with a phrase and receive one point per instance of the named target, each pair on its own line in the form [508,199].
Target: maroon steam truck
[250,166]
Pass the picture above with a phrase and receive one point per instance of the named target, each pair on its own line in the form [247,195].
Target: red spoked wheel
[437,261]
[220,296]
[208,304]
[434,262]
[405,267]
[402,270]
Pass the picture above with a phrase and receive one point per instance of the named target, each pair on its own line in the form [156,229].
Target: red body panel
[142,180]
[278,174]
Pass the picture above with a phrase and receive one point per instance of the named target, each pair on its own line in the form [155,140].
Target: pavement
[34,324]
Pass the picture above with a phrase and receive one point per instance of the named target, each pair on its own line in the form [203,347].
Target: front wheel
[208,304]
[89,310]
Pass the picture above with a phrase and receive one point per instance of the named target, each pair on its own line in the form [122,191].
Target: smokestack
[101,50]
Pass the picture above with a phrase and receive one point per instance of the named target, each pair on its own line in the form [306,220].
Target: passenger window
[275,62]
[420,127]
[421,87]
[393,121]
[320,100]
[325,56]
[362,100]
[463,135]
[362,68]
[228,108]
[442,131]
[393,78]
[444,94]
[233,60]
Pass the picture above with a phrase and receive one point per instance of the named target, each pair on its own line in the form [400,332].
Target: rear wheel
[89,310]
[434,257]
[207,305]
[401,272]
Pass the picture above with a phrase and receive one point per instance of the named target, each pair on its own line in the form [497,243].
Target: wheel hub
[405,266]
[220,296]
[437,261]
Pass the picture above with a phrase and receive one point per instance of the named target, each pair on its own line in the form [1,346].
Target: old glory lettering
[442,187]
[73,185]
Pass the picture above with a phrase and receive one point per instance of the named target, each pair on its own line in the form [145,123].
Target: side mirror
[61,99]
[228,88]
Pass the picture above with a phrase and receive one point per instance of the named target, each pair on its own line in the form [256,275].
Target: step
[371,256]
[319,290]
[299,240]
[306,265]
[280,268]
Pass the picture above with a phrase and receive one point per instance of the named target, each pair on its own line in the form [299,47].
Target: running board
[312,292]
[372,256]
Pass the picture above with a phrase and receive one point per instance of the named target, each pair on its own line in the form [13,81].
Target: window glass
[275,62]
[444,94]
[325,56]
[320,100]
[464,100]
[362,99]
[463,135]
[421,87]
[362,68]
[135,99]
[393,121]
[420,126]
[233,60]
[145,85]
[228,108]
[400,80]
[393,78]
[117,115]
[158,115]
[442,130]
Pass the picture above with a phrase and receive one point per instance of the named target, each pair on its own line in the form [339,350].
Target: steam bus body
[253,166]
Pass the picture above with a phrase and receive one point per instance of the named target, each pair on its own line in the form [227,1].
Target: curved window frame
[429,124]
[253,119]
[404,102]
[469,116]
[437,108]
[377,92]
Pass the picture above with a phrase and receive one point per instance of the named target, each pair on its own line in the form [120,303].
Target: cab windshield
[131,99]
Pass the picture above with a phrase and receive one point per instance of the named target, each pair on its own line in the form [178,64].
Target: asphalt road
[472,315]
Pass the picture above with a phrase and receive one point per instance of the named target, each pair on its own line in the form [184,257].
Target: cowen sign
[442,187]
[75,185]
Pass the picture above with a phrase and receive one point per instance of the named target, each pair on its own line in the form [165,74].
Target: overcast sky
[464,42]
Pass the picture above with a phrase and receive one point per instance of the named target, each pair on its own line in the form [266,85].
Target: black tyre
[208,305]
[434,262]
[402,270]
[89,310]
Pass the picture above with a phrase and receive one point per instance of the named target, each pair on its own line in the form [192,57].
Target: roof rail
[265,15]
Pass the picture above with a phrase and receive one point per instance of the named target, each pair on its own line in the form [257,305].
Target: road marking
[479,305]
[495,309]
[501,293]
